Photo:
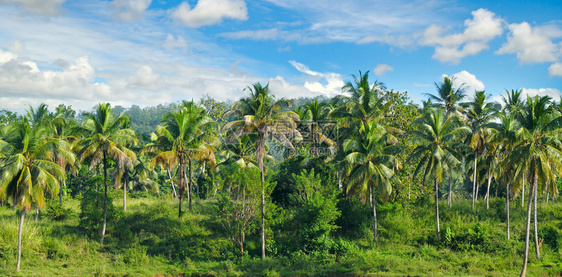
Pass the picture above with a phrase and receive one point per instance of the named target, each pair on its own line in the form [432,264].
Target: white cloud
[555,69]
[129,10]
[532,45]
[145,79]
[210,12]
[40,7]
[482,28]
[554,93]
[382,68]
[327,84]
[468,81]
[171,42]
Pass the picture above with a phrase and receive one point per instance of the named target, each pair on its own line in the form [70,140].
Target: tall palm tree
[27,171]
[106,138]
[182,135]
[439,148]
[371,159]
[62,124]
[260,113]
[538,153]
[313,116]
[448,96]
[479,112]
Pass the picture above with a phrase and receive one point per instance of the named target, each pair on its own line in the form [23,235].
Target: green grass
[149,240]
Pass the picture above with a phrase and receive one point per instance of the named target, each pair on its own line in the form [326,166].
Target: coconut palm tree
[448,96]
[27,171]
[182,135]
[260,113]
[106,138]
[479,112]
[439,139]
[538,153]
[371,160]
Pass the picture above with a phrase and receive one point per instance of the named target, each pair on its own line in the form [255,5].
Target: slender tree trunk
[375,225]
[535,227]
[261,150]
[340,184]
[437,211]
[125,194]
[19,240]
[450,198]
[172,182]
[474,191]
[477,188]
[488,190]
[36,212]
[523,193]
[60,193]
[105,197]
[181,173]
[507,209]
[371,196]
[190,185]
[527,229]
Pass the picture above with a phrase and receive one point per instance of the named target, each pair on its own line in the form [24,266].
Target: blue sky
[147,52]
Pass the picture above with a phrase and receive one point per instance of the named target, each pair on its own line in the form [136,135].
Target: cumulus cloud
[482,28]
[532,45]
[40,7]
[554,93]
[209,12]
[382,68]
[327,84]
[555,69]
[129,10]
[468,81]
[145,79]
[171,42]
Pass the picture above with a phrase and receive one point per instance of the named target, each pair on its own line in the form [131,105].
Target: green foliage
[91,213]
[58,212]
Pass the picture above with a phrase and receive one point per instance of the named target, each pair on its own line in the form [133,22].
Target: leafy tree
[537,155]
[371,160]
[27,171]
[260,113]
[182,136]
[448,96]
[439,148]
[105,138]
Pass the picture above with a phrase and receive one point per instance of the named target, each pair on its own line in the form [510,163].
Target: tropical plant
[371,160]
[439,148]
[27,171]
[449,96]
[260,113]
[106,138]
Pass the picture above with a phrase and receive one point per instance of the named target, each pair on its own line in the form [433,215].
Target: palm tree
[439,148]
[371,160]
[182,136]
[479,112]
[105,138]
[448,96]
[61,127]
[538,153]
[27,171]
[260,113]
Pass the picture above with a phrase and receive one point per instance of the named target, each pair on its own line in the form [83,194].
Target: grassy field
[149,240]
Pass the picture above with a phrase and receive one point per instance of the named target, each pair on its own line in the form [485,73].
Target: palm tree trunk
[523,193]
[528,227]
[19,240]
[36,212]
[535,229]
[181,173]
[488,190]
[60,193]
[507,209]
[105,198]
[450,198]
[260,151]
[437,211]
[190,185]
[125,194]
[172,182]
[375,227]
[340,183]
[474,191]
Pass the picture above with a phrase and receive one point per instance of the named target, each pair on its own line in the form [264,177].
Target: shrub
[57,212]
[91,212]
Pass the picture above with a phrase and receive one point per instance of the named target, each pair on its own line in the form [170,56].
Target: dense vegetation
[363,184]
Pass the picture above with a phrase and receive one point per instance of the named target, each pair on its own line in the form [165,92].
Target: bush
[57,212]
[91,213]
